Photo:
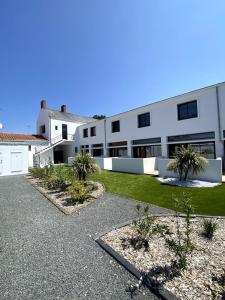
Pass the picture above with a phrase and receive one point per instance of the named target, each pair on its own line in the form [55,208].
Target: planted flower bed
[183,254]
[64,188]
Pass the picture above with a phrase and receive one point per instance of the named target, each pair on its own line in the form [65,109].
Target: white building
[195,118]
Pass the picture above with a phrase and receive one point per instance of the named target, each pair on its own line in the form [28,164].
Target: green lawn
[210,201]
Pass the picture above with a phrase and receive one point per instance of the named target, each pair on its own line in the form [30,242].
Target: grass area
[208,201]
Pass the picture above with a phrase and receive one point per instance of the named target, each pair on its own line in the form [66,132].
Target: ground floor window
[118,152]
[206,149]
[147,151]
[97,152]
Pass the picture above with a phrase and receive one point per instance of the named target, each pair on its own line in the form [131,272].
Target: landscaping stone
[205,267]
[188,183]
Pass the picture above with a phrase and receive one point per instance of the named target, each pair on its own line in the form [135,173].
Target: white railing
[55,140]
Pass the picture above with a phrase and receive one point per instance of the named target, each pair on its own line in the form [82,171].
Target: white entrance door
[1,163]
[16,162]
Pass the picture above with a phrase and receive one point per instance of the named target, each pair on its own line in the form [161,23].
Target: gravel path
[45,254]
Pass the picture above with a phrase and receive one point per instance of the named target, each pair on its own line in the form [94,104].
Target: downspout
[219,122]
[218,113]
[105,135]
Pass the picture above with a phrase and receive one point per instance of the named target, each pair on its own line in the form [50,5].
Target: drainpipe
[218,113]
[105,154]
[219,124]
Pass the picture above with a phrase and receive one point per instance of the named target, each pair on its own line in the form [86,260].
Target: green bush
[78,192]
[83,165]
[209,228]
[56,182]
[38,172]
[181,243]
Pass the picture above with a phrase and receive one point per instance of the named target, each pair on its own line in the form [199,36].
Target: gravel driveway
[48,255]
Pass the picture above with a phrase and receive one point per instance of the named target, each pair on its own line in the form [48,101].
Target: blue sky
[104,56]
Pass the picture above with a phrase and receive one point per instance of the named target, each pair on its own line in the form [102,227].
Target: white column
[129,149]
[164,147]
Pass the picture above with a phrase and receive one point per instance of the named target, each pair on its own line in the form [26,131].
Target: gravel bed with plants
[185,254]
[67,187]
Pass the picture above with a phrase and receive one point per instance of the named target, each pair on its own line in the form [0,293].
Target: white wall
[71,128]
[6,159]
[164,121]
[212,172]
[105,163]
[134,165]
[45,157]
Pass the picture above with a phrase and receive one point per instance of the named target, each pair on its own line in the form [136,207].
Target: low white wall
[134,165]
[212,172]
[70,161]
[105,163]
[46,157]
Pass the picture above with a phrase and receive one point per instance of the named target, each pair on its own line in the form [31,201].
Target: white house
[158,129]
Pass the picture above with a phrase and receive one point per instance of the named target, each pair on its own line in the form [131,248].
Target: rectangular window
[206,150]
[97,152]
[147,151]
[189,137]
[85,132]
[29,147]
[187,110]
[117,144]
[42,128]
[147,141]
[93,131]
[75,150]
[118,152]
[144,120]
[116,126]
[56,127]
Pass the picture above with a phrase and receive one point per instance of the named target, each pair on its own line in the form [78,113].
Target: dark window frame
[142,121]
[189,114]
[42,128]
[93,131]
[85,132]
[115,126]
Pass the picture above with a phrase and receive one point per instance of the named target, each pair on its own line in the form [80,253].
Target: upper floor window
[42,128]
[85,132]
[56,127]
[144,120]
[116,126]
[93,131]
[187,110]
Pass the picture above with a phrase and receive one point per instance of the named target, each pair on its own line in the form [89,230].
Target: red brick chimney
[43,104]
[63,108]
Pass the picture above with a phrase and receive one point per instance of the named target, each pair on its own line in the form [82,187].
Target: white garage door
[13,159]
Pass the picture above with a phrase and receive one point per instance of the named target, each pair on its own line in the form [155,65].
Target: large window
[147,151]
[42,128]
[93,131]
[206,150]
[144,120]
[97,150]
[116,126]
[118,152]
[193,136]
[187,110]
[85,132]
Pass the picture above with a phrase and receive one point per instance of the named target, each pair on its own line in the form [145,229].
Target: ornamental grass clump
[209,228]
[187,161]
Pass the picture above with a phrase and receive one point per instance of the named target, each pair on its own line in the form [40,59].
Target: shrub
[181,244]
[209,228]
[144,225]
[56,182]
[38,172]
[83,165]
[186,161]
[78,192]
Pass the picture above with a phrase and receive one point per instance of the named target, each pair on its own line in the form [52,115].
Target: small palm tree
[186,161]
[84,165]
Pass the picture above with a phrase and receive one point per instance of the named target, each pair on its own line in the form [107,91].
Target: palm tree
[186,161]
[84,165]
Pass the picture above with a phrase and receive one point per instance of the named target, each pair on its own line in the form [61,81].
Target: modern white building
[158,129]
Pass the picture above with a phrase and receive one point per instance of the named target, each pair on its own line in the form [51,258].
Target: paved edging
[158,289]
